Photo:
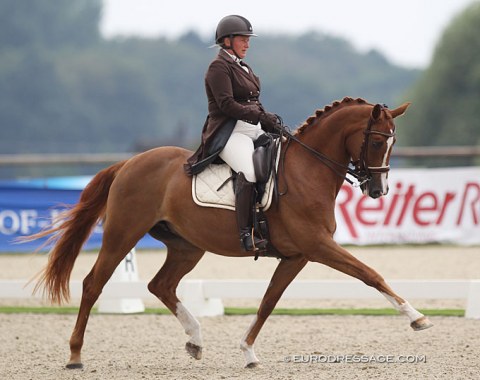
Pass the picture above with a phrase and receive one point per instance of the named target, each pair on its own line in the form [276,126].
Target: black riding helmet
[231,26]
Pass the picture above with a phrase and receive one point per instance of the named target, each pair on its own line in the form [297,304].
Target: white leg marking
[248,351]
[190,324]
[405,309]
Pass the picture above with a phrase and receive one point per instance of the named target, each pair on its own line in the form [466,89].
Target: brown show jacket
[232,94]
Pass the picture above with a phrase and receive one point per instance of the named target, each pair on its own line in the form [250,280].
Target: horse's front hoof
[252,365]
[194,351]
[422,323]
[74,366]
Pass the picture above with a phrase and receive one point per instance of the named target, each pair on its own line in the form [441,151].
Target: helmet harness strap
[231,37]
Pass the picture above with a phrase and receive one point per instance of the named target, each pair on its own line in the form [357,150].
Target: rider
[236,119]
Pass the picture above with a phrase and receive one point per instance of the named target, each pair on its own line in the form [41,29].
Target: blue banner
[27,207]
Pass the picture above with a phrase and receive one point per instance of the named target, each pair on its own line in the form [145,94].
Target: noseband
[361,172]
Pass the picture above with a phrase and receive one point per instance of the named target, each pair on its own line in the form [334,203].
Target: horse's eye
[377,144]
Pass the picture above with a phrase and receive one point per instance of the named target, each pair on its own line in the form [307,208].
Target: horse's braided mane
[326,110]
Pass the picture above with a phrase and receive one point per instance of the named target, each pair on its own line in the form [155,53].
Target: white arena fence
[125,293]
[204,297]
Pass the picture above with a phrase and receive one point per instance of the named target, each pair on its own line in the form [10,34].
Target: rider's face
[239,45]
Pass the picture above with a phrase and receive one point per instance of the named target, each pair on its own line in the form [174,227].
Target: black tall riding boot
[244,205]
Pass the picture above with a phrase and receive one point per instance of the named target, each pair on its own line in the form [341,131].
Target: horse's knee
[90,293]
[153,288]
[160,289]
[374,280]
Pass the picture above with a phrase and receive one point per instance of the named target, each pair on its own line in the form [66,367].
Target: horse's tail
[70,231]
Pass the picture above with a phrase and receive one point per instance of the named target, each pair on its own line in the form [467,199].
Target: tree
[65,89]
[51,24]
[446,100]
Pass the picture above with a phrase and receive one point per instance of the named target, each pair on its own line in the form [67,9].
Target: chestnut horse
[150,193]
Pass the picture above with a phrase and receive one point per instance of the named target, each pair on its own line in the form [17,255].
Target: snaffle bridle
[358,169]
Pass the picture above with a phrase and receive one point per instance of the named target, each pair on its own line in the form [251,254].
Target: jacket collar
[226,57]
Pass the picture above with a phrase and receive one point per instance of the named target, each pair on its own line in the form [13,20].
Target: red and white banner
[422,206]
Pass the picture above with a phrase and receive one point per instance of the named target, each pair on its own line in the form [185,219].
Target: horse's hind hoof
[422,323]
[193,350]
[74,366]
[253,365]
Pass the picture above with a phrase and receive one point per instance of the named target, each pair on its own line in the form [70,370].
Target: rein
[361,172]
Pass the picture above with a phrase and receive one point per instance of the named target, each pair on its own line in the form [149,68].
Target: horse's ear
[400,110]
[376,111]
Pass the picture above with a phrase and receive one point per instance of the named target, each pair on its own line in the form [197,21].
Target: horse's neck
[330,132]
[327,137]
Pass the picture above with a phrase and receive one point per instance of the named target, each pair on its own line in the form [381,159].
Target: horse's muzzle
[377,186]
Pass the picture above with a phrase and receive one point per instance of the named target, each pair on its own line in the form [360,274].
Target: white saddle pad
[205,188]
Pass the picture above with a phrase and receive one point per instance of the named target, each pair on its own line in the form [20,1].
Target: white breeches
[239,149]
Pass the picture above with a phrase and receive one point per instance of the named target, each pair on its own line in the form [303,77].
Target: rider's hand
[269,121]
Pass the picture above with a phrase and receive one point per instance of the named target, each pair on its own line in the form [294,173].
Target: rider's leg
[244,204]
[238,155]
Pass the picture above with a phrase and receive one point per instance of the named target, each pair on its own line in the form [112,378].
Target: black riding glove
[269,121]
